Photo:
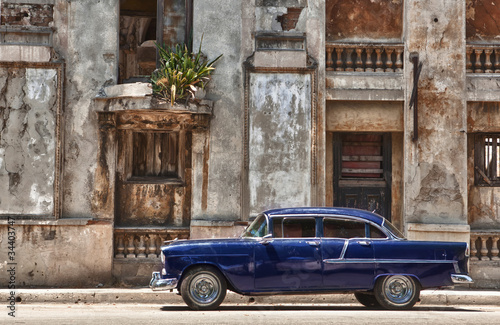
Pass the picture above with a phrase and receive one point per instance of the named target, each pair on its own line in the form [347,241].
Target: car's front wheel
[397,292]
[203,288]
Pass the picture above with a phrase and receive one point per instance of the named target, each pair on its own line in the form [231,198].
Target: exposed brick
[25,14]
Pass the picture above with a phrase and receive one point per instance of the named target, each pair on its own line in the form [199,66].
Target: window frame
[483,176]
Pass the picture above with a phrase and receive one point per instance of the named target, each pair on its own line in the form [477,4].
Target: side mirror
[266,239]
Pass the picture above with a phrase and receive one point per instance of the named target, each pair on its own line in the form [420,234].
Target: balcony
[364,71]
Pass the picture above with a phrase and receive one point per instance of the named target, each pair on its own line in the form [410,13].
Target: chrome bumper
[157,283]
[461,279]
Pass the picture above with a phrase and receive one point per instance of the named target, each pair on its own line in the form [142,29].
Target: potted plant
[181,73]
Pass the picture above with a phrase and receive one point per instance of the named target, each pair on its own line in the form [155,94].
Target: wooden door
[362,171]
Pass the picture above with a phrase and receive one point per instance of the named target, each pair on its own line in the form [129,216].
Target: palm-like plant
[180,73]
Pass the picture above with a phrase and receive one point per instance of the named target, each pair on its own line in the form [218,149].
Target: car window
[343,228]
[294,227]
[376,232]
[258,228]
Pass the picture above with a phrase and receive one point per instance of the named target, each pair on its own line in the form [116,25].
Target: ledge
[55,222]
[212,223]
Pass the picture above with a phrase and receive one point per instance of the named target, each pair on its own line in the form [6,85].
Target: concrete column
[435,163]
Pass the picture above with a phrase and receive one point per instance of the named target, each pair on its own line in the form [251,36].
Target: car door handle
[313,243]
[364,242]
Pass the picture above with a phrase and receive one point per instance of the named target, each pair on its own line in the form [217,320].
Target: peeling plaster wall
[60,252]
[221,194]
[435,177]
[90,53]
[27,140]
[279,141]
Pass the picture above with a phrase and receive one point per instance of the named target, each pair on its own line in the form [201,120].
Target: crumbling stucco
[27,140]
[279,141]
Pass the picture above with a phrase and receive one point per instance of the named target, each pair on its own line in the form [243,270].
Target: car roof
[298,212]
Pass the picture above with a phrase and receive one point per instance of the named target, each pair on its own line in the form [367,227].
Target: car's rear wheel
[203,288]
[367,299]
[397,292]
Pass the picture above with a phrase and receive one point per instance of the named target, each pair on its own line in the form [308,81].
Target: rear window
[343,228]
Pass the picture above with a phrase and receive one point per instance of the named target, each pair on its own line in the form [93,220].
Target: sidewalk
[147,296]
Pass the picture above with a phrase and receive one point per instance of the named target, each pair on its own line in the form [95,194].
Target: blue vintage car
[312,250]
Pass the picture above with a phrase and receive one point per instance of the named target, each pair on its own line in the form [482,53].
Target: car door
[348,258]
[291,260]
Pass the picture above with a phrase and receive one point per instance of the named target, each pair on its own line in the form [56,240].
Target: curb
[147,296]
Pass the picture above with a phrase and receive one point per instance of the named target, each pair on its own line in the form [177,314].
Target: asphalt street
[124,314]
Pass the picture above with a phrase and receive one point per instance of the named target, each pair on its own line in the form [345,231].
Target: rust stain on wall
[375,19]
[482,20]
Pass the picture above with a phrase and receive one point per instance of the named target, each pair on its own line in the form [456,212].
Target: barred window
[487,159]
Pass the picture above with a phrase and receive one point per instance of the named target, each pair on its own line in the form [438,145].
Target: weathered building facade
[386,105]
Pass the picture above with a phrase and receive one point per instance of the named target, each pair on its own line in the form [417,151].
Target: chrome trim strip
[157,283]
[461,279]
[344,249]
[387,261]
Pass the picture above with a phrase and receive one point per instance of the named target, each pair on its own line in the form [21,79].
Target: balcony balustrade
[483,58]
[138,243]
[484,246]
[351,57]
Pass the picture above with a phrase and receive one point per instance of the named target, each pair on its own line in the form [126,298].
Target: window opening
[138,33]
[155,154]
[362,156]
[487,161]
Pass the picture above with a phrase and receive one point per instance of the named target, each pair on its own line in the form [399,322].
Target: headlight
[162,257]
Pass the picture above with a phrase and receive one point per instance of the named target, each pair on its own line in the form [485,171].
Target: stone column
[435,163]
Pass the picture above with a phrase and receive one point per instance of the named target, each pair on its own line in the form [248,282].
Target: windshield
[395,231]
[258,228]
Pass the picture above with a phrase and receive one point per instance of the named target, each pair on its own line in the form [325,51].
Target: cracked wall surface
[27,140]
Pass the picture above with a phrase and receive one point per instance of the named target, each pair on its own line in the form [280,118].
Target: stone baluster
[494,248]
[389,64]
[369,62]
[348,63]
[469,60]
[359,61]
[484,248]
[379,62]
[329,60]
[141,247]
[473,248]
[130,247]
[152,246]
[339,62]
[497,61]
[120,248]
[399,61]
[487,61]
[478,65]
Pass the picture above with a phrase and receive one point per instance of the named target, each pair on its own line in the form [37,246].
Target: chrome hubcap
[204,288]
[398,289]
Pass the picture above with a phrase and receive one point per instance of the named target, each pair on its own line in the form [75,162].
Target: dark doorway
[362,171]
